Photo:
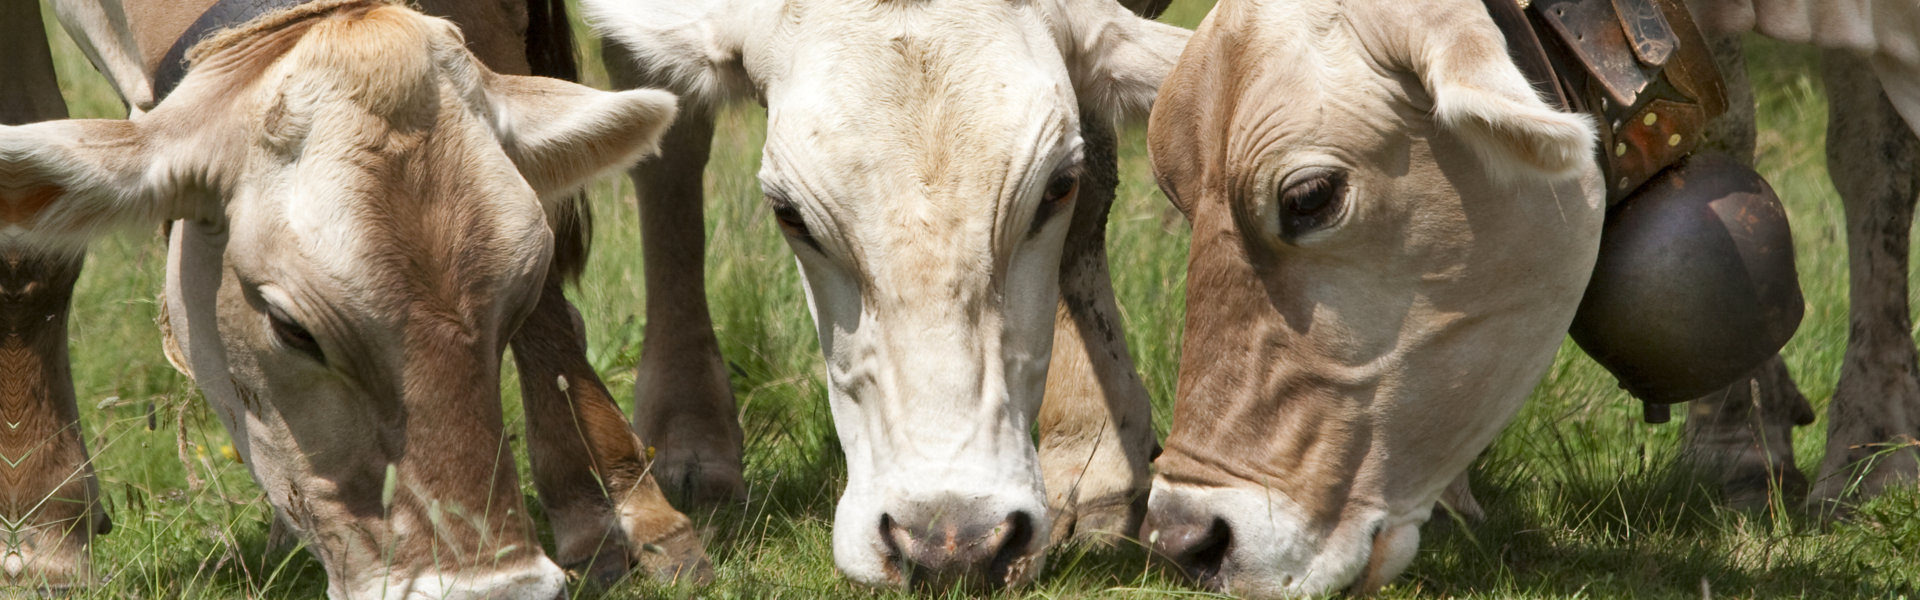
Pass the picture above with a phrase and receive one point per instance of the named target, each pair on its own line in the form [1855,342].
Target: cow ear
[65,182]
[692,47]
[1480,95]
[1117,59]
[561,134]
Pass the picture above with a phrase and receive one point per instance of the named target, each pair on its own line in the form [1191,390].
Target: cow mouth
[1009,565]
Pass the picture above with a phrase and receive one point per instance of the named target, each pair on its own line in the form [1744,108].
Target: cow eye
[1060,191]
[1311,202]
[292,335]
[790,219]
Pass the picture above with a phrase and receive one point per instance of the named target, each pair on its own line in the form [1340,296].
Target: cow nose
[1197,542]
[946,552]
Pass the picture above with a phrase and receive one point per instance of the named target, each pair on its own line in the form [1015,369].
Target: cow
[47,485]
[362,221]
[1871,69]
[942,172]
[1391,234]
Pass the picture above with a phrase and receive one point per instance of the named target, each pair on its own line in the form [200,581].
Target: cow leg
[589,468]
[49,498]
[1743,435]
[1096,423]
[1875,413]
[683,401]
[51,501]
[1458,499]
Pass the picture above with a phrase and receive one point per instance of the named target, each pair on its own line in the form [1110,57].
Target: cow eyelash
[1311,204]
[292,335]
[1060,190]
[790,220]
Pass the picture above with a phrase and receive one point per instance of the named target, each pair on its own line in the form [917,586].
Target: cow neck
[223,15]
[1639,67]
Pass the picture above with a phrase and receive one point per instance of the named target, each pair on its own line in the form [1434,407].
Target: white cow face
[923,160]
[366,231]
[1391,233]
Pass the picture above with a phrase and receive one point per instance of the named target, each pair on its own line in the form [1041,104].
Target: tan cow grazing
[927,162]
[1391,234]
[47,487]
[366,228]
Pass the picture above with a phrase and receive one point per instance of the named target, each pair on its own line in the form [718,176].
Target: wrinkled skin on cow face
[923,160]
[367,230]
[1391,233]
[931,264]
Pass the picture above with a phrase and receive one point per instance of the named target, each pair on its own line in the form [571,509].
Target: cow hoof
[1102,522]
[600,571]
[1458,501]
[677,558]
[1752,484]
[1869,468]
[695,452]
[63,573]
[691,483]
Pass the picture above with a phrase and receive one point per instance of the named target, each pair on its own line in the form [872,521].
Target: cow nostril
[1010,562]
[944,552]
[1199,548]
[894,537]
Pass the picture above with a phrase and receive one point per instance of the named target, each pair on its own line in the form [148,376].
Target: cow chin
[540,580]
[1257,543]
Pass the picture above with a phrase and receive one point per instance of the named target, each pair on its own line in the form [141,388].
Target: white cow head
[1391,232]
[366,231]
[923,160]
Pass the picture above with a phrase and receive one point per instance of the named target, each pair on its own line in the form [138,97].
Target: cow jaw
[1383,265]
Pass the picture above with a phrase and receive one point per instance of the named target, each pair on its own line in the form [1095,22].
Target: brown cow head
[1391,233]
[364,229]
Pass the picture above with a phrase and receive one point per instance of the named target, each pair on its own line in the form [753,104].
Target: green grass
[1582,498]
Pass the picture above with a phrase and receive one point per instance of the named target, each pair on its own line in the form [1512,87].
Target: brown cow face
[1390,236]
[365,232]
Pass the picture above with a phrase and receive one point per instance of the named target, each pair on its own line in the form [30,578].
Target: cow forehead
[372,217]
[1262,83]
[943,108]
[372,169]
[937,79]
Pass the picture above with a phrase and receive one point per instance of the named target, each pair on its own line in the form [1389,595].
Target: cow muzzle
[942,545]
[1257,543]
[977,541]
[538,580]
[1194,540]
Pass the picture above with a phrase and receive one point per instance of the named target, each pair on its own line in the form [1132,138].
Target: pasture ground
[1582,498]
